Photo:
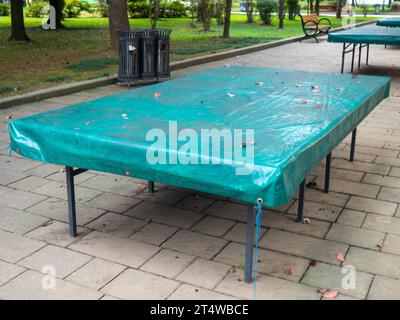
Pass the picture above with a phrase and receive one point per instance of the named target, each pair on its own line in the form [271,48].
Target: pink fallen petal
[288,271]
[303,101]
[340,257]
[299,86]
[380,244]
[157,94]
[322,290]
[259,83]
[227,65]
[354,75]
[319,106]
[315,87]
[330,294]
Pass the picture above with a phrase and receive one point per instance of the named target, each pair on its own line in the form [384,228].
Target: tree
[311,5]
[118,19]
[339,9]
[227,23]
[154,12]
[281,13]
[18,32]
[249,11]
[58,6]
[205,13]
[317,6]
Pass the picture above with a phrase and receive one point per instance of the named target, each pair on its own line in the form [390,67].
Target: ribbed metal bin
[162,52]
[147,59]
[129,42]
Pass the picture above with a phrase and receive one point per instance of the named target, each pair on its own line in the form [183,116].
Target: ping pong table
[363,37]
[298,118]
[391,22]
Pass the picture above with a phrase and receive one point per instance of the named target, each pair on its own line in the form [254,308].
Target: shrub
[138,9]
[4,9]
[292,8]
[173,9]
[73,8]
[101,8]
[266,8]
[35,10]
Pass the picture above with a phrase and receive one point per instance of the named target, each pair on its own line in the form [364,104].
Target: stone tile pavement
[177,244]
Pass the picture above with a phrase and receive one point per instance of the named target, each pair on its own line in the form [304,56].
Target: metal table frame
[352,50]
[250,237]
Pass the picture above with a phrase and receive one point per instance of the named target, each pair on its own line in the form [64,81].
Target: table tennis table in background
[390,22]
[298,118]
[363,37]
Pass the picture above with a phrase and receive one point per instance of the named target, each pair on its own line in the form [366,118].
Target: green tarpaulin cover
[367,35]
[297,118]
[392,22]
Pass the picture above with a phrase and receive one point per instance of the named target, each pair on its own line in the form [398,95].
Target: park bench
[328,7]
[312,26]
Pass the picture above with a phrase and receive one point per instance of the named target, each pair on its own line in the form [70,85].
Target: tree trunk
[118,19]
[227,23]
[339,9]
[17,21]
[249,11]
[281,13]
[317,6]
[58,6]
[311,4]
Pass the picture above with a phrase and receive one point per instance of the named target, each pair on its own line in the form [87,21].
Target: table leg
[343,56]
[327,172]
[71,201]
[352,57]
[300,208]
[249,244]
[151,187]
[359,56]
[367,54]
[353,144]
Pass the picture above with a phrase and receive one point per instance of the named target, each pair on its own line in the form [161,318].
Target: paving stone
[116,224]
[361,166]
[204,273]
[384,289]
[113,202]
[228,210]
[195,244]
[273,263]
[375,151]
[312,248]
[382,223]
[374,262]
[108,297]
[316,210]
[123,186]
[18,221]
[355,236]
[239,231]
[96,273]
[56,233]
[167,263]
[20,199]
[352,218]
[63,260]
[59,190]
[213,226]
[392,244]
[195,203]
[31,282]
[371,205]
[61,176]
[4,190]
[339,174]
[354,188]
[388,161]
[154,233]
[43,170]
[287,222]
[14,165]
[163,196]
[389,194]
[58,210]
[331,277]
[164,214]
[381,180]
[268,288]
[344,154]
[9,271]
[124,251]
[28,183]
[138,285]
[188,292]
[330,198]
[9,176]
[14,247]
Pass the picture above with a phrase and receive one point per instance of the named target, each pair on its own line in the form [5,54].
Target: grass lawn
[81,51]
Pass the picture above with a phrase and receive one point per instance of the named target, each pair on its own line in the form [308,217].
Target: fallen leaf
[157,94]
[299,86]
[124,115]
[9,117]
[339,89]
[232,270]
[231,95]
[322,290]
[330,294]
[340,257]
[259,83]
[380,244]
[319,106]
[61,170]
[315,87]
[306,221]
[47,223]
[316,91]
[288,271]
[311,184]
[312,263]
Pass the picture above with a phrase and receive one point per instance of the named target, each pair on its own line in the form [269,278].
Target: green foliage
[35,10]
[56,78]
[6,89]
[138,9]
[73,8]
[101,8]
[166,9]
[173,9]
[291,6]
[266,8]
[4,9]
[93,64]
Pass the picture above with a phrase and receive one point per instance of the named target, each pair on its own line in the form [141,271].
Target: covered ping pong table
[363,37]
[297,117]
[390,22]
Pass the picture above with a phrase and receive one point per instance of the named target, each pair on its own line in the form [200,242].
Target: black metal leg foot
[71,202]
[300,208]
[249,244]
[353,144]
[151,186]
[327,172]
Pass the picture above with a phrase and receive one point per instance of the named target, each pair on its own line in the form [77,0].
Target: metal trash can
[147,59]
[162,53]
[128,56]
